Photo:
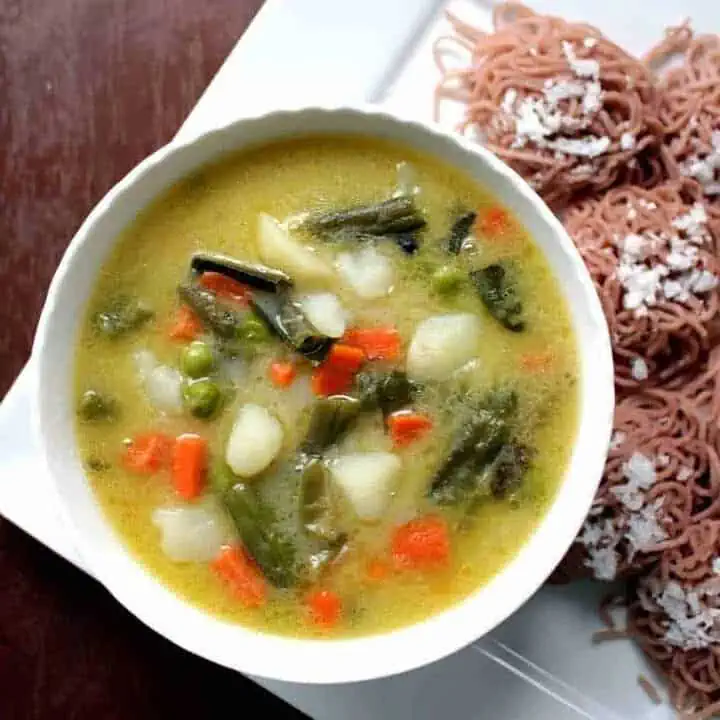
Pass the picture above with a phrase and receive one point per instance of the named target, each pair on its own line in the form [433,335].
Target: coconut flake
[627,141]
[693,221]
[684,474]
[585,68]
[508,101]
[703,281]
[589,146]
[646,279]
[603,562]
[644,529]
[639,369]
[691,623]
[704,169]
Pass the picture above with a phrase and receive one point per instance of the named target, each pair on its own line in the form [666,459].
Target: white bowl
[272,656]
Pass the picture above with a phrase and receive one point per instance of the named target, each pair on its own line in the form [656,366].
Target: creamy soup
[326,387]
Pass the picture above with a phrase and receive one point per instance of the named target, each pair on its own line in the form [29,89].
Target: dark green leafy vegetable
[202,397]
[258,277]
[122,315]
[287,320]
[508,469]
[316,502]
[95,406]
[388,391]
[220,319]
[272,550]
[473,449]
[497,287]
[331,418]
[459,231]
[480,439]
[500,401]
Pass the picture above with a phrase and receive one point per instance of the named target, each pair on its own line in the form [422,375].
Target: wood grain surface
[87,89]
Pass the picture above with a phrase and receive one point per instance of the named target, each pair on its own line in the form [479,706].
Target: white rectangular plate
[541,663]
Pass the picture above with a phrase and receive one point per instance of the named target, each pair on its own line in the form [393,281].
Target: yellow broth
[216,210]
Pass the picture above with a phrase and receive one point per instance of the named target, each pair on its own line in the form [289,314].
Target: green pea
[202,397]
[447,280]
[197,359]
[94,406]
[254,330]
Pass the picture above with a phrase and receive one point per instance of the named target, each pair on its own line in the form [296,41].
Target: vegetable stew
[304,393]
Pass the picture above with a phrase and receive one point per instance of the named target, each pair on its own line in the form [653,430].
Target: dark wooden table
[87,89]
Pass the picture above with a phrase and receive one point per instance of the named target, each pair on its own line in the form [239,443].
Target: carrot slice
[406,427]
[225,287]
[345,357]
[325,607]
[282,374]
[239,571]
[493,221]
[336,374]
[187,325]
[328,381]
[423,543]
[382,343]
[536,362]
[147,453]
[377,569]
[189,465]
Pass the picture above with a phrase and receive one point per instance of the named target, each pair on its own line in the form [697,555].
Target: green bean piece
[331,418]
[498,291]
[459,231]
[317,512]
[121,315]
[197,359]
[95,406]
[447,280]
[258,277]
[286,319]
[220,477]
[217,317]
[391,215]
[256,524]
[202,397]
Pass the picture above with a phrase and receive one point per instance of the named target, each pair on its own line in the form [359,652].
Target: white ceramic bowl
[313,661]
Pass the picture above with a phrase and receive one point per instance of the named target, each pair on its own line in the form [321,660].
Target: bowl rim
[354,659]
